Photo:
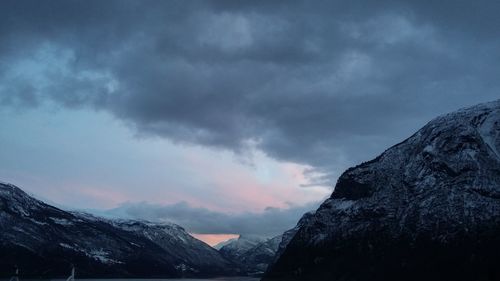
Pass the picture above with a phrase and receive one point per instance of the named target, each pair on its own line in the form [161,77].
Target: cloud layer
[326,84]
[272,221]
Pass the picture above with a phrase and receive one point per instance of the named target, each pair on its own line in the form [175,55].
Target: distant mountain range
[252,254]
[44,241]
[425,209]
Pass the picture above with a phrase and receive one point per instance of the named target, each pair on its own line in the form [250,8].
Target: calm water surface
[186,279]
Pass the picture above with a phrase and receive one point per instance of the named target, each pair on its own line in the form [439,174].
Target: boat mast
[16,275]
[72,276]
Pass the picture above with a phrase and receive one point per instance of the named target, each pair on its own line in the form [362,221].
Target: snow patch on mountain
[439,187]
[43,240]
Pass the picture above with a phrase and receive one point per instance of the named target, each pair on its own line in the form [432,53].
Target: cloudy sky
[226,116]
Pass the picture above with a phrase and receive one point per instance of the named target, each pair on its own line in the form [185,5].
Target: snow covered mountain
[192,256]
[425,209]
[238,247]
[257,259]
[45,241]
[253,254]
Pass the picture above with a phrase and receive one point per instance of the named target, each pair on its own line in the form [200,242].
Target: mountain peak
[44,241]
[438,191]
[7,189]
[454,145]
[13,199]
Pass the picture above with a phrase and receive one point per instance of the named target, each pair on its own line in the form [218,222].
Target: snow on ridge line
[489,131]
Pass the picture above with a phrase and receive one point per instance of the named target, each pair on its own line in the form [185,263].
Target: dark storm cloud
[325,83]
[272,221]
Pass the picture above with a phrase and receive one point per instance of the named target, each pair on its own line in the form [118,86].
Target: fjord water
[241,278]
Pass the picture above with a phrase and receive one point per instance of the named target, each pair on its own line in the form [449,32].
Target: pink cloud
[241,187]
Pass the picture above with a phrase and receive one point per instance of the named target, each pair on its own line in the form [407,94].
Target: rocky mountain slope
[236,248]
[44,241]
[192,256]
[257,259]
[425,209]
[252,254]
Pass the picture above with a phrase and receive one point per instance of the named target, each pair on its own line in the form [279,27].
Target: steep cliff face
[44,241]
[425,209]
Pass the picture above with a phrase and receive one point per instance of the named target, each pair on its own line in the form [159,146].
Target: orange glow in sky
[214,239]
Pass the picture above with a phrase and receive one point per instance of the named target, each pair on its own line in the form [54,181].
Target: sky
[227,117]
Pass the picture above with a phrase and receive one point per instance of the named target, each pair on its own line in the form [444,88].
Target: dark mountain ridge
[44,241]
[425,209]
